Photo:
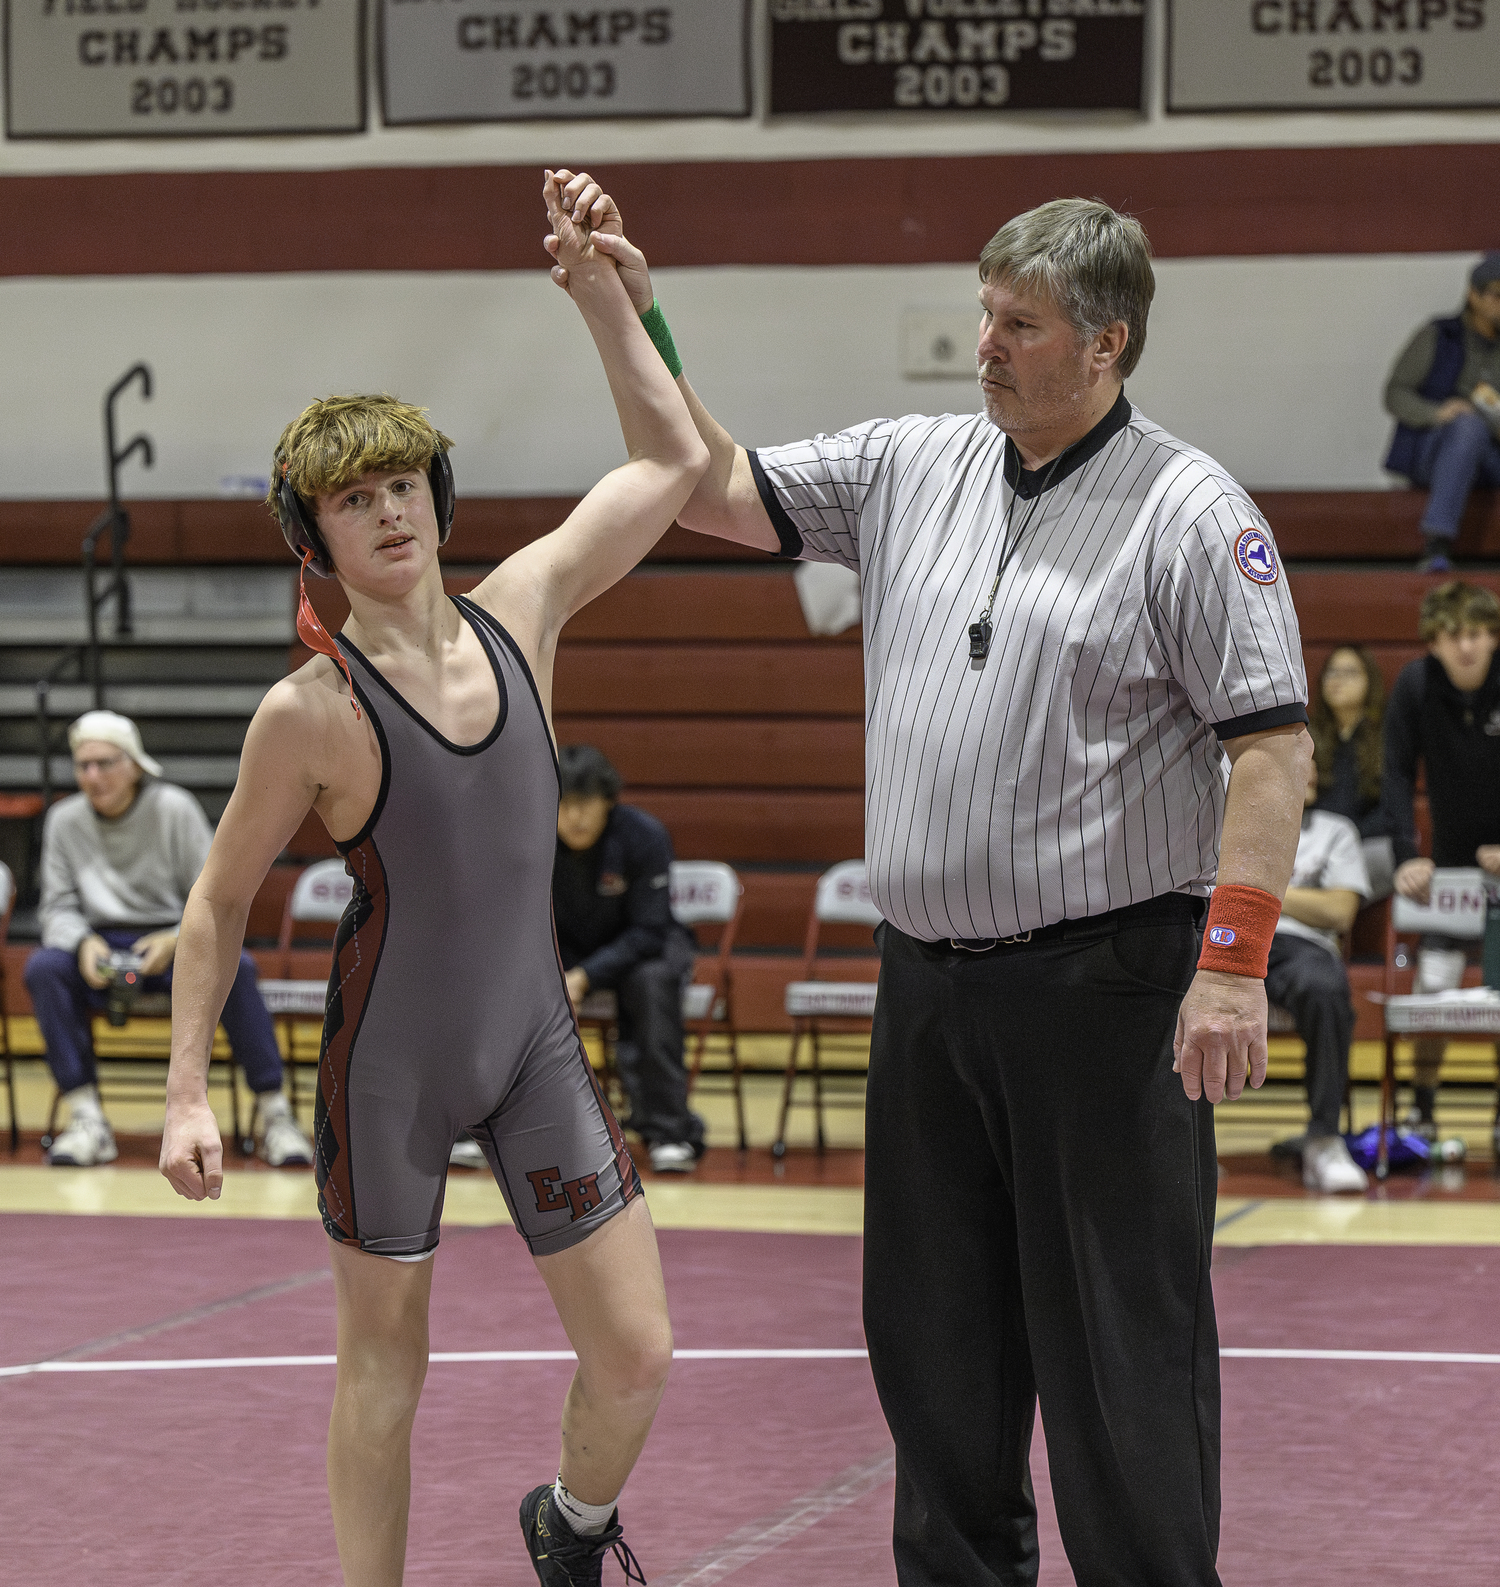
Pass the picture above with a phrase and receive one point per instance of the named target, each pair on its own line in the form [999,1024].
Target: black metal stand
[87,658]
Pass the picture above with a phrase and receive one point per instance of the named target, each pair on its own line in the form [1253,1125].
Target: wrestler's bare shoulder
[308,715]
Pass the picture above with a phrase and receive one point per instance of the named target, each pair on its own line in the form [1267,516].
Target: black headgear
[299,519]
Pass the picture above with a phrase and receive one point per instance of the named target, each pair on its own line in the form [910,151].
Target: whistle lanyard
[981,631]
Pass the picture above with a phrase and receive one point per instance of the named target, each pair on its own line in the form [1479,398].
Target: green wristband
[656,328]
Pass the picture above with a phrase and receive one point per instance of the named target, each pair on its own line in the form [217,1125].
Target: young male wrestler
[424,742]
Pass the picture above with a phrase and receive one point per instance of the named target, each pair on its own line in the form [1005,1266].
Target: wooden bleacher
[742,732]
[1310,526]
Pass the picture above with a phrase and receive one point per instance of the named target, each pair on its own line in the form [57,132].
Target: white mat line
[1440,1357]
[771,1531]
[437,1358]
[441,1357]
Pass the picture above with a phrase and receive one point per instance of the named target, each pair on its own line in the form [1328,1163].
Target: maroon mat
[1352,1472]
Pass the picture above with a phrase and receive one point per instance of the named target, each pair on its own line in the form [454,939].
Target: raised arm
[271,796]
[725,502]
[629,510]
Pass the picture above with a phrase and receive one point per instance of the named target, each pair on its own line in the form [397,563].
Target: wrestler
[423,740]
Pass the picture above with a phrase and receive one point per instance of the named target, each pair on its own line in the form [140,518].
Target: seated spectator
[615,929]
[1345,722]
[1445,712]
[1444,394]
[1306,976]
[118,861]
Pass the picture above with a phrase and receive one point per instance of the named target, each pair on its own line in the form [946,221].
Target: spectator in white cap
[118,860]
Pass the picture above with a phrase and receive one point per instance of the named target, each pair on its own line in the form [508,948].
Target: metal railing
[88,657]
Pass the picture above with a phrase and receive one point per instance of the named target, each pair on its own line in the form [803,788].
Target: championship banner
[501,60]
[956,55]
[182,68]
[1332,54]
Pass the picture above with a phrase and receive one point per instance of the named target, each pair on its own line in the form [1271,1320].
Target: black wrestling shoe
[563,1560]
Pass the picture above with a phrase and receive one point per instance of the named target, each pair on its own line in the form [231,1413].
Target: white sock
[83,1103]
[273,1105]
[584,1520]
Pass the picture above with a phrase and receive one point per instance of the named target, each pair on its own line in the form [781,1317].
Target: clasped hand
[587,208]
[574,215]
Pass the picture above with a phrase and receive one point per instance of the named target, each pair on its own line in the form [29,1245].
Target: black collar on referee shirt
[1028,483]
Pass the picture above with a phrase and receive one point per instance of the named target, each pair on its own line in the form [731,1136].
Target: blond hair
[338,439]
[1091,261]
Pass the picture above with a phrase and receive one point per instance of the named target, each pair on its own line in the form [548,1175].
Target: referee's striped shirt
[1144,617]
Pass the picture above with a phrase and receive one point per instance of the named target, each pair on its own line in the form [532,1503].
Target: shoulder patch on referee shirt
[1256,556]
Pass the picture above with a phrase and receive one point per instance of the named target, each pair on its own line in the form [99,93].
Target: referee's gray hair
[1091,261]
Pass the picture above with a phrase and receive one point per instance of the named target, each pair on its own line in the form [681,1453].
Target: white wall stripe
[1273,366]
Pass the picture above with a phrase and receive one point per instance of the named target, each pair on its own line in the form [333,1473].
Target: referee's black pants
[1039,1206]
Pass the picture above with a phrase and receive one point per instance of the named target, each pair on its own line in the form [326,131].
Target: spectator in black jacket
[1445,712]
[1444,394]
[612,903]
[1345,720]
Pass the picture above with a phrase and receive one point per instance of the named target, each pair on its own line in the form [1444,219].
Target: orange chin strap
[313,634]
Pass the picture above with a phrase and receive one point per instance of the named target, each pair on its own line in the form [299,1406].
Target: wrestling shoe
[562,1559]
[1327,1166]
[87,1142]
[673,1157]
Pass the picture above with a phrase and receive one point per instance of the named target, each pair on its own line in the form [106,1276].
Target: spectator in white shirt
[1306,976]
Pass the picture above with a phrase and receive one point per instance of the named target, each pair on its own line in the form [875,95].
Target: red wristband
[1241,923]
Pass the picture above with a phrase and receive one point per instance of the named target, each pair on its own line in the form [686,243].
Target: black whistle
[980,634]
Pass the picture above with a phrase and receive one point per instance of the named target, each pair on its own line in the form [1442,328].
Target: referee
[1085,704]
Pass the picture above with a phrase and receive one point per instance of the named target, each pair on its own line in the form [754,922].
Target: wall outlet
[939,344]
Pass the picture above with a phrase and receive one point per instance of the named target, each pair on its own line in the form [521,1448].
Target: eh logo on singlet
[554,1193]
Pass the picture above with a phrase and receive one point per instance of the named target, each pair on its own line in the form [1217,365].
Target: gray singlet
[447,1007]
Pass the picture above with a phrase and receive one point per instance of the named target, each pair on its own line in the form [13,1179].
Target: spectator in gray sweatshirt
[118,861]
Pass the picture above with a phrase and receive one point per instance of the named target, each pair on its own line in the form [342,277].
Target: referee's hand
[1221,1035]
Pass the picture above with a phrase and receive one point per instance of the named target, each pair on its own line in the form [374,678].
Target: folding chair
[708,892]
[1456,908]
[320,894]
[701,892]
[7,904]
[842,898]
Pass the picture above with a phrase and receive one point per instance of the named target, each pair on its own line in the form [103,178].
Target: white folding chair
[1456,908]
[7,904]
[842,898]
[708,892]
[320,894]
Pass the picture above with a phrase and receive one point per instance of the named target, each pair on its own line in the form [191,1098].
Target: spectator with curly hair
[1445,713]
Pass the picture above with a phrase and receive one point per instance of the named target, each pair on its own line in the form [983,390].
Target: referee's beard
[1058,406]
